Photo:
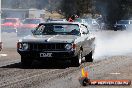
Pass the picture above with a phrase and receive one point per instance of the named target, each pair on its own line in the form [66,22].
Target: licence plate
[45,54]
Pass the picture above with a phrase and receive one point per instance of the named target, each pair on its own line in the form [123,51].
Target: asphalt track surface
[58,74]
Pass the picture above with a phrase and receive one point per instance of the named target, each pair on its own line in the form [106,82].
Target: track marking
[3,55]
[115,73]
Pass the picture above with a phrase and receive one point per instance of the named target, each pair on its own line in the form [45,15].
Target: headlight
[68,46]
[23,46]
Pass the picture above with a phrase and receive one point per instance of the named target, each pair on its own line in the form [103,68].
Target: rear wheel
[26,61]
[89,57]
[77,61]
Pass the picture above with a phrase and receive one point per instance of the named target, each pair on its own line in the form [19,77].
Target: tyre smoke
[113,43]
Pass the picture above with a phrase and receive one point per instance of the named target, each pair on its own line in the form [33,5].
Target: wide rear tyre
[89,57]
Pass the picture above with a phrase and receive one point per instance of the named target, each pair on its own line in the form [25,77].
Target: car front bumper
[55,54]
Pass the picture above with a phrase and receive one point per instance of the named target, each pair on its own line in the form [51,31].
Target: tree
[79,7]
[112,10]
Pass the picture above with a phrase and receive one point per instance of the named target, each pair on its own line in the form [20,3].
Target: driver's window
[40,29]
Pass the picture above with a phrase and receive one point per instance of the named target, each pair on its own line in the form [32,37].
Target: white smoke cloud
[113,43]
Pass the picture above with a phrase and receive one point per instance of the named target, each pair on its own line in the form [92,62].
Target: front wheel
[89,57]
[77,61]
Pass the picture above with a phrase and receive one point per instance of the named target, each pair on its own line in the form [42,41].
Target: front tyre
[26,61]
[77,61]
[89,57]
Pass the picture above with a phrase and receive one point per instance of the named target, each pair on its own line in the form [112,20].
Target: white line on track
[3,55]
[115,73]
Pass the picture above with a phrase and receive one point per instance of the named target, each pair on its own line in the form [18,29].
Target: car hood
[49,38]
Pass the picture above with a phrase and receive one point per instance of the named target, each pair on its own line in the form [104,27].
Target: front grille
[47,47]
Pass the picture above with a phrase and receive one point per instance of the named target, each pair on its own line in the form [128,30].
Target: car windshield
[55,29]
[9,20]
[31,21]
[123,22]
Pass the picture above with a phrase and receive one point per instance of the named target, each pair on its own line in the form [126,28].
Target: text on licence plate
[45,54]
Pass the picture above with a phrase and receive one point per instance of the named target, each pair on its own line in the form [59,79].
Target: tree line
[111,10]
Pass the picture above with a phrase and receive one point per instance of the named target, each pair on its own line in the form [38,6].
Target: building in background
[22,13]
